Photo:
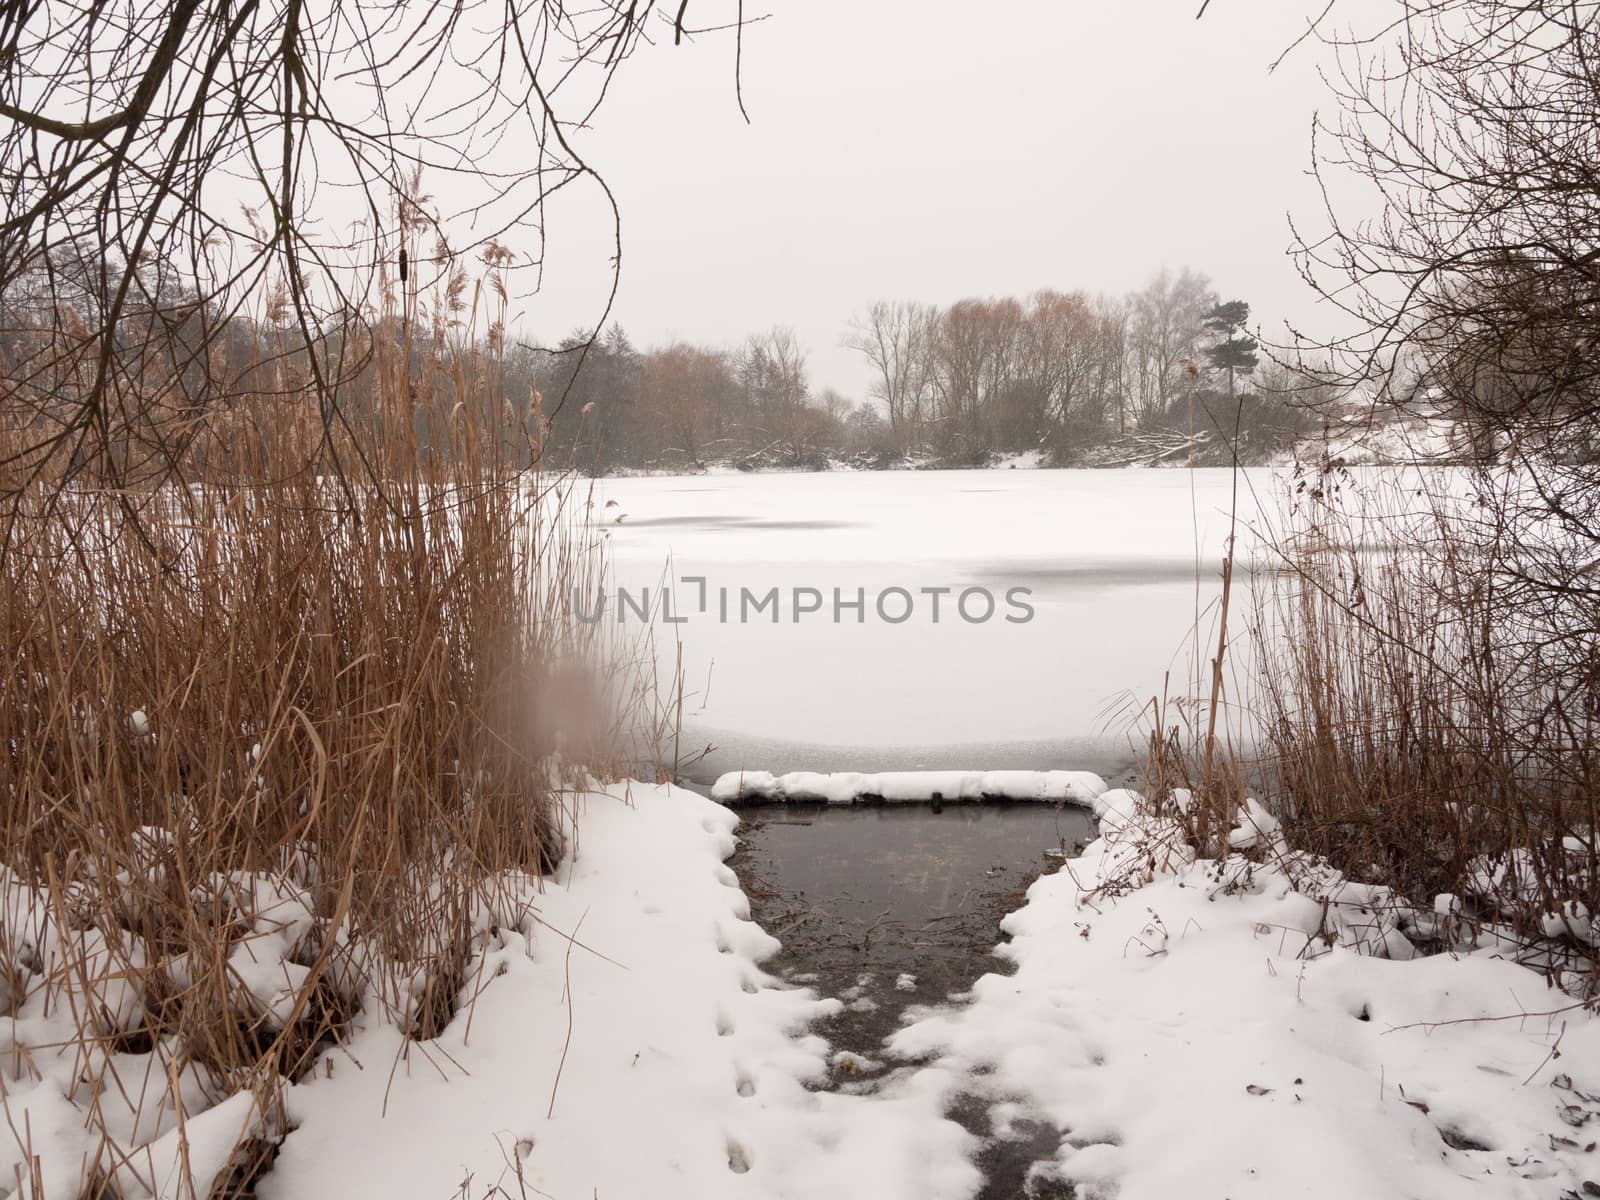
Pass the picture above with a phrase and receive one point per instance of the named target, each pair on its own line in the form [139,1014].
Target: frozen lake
[1096,578]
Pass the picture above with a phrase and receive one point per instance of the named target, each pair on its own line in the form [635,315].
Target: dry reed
[282,736]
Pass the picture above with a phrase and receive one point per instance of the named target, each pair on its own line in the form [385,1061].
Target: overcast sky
[939,150]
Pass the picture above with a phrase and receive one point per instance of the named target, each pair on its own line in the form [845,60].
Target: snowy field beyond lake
[1113,565]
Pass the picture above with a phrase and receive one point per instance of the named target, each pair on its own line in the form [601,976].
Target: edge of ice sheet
[1082,788]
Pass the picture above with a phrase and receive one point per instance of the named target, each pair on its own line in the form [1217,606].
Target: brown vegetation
[1428,646]
[277,743]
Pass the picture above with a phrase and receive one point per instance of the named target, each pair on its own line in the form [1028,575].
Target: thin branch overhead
[168,169]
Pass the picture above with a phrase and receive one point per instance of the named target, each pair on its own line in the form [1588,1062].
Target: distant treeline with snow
[1165,374]
[1069,378]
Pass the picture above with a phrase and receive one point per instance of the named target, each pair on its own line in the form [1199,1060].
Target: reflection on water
[897,866]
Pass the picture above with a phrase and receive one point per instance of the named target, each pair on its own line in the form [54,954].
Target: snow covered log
[907,787]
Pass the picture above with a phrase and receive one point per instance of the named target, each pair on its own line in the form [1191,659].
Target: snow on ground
[846,787]
[1193,1034]
[1204,1030]
[621,1039]
[1024,460]
[1189,1028]
[685,1065]
[56,1088]
[1413,438]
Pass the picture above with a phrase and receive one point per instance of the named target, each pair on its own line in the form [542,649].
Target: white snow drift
[900,787]
[626,1044]
[1242,1029]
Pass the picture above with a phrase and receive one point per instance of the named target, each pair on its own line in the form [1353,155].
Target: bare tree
[1475,294]
[1472,293]
[1166,332]
[1111,315]
[772,368]
[896,337]
[688,395]
[974,366]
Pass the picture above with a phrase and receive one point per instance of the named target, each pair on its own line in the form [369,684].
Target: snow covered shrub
[281,733]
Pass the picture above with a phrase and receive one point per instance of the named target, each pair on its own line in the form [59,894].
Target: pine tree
[1235,351]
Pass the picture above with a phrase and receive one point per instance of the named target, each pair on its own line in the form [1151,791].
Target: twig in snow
[1516,1016]
[1554,1052]
[566,1045]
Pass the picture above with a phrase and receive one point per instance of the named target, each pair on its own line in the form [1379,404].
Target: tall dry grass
[1429,694]
[282,737]
[1422,704]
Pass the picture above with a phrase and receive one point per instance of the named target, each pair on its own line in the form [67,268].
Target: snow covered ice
[1110,559]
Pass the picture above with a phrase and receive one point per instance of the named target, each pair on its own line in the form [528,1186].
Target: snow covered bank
[898,787]
[1208,1030]
[120,1111]
[625,1043]
[1201,1029]
[616,1037]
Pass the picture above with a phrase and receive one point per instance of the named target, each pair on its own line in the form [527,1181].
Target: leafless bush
[1428,660]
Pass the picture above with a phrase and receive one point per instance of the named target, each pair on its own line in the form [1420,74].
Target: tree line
[1067,374]
[1166,372]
